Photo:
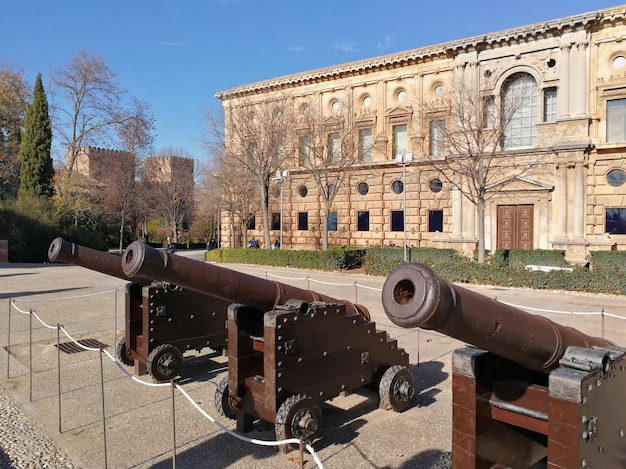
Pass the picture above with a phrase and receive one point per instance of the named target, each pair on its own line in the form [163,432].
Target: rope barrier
[181,390]
[66,297]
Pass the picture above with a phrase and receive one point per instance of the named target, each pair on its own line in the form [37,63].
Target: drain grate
[71,347]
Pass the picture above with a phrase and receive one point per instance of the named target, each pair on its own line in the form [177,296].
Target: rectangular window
[435,221]
[366,143]
[437,137]
[334,147]
[251,223]
[397,220]
[332,221]
[304,151]
[303,221]
[275,221]
[549,104]
[616,220]
[489,112]
[616,120]
[399,140]
[363,221]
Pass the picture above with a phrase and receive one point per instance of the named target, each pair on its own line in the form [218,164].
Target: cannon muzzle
[143,260]
[100,261]
[414,296]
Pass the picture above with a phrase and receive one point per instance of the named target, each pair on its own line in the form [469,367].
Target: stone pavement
[138,417]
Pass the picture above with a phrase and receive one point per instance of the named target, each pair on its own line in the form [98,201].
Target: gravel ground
[22,444]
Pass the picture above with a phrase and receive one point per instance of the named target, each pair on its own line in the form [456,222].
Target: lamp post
[404,159]
[280,178]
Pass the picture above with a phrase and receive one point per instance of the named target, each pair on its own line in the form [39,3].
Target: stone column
[579,88]
[457,213]
[564,82]
[571,199]
[580,195]
[559,203]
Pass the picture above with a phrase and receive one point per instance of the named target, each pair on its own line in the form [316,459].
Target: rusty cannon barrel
[143,260]
[61,250]
[414,296]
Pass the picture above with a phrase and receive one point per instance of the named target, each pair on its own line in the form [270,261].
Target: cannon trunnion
[283,361]
[162,320]
[534,394]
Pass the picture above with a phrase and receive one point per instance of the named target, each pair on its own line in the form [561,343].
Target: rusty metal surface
[140,259]
[99,261]
[414,296]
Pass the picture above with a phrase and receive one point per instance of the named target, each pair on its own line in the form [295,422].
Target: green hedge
[601,259]
[520,257]
[332,259]
[608,274]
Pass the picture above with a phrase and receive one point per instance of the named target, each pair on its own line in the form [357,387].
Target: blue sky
[176,54]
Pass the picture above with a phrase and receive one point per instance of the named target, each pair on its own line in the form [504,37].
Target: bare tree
[88,104]
[13,99]
[469,132]
[235,196]
[257,141]
[328,146]
[169,182]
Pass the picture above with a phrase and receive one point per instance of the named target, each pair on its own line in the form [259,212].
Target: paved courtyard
[138,416]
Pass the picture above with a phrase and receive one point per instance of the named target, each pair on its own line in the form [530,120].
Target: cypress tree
[37,171]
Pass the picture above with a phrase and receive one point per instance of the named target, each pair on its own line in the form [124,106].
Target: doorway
[515,227]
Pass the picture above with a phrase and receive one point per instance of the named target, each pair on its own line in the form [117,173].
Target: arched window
[519,111]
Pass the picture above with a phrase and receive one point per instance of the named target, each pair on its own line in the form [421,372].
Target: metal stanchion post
[30,354]
[301,453]
[59,370]
[104,424]
[9,338]
[115,320]
[418,346]
[173,426]
[602,314]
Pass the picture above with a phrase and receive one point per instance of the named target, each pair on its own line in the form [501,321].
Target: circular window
[303,191]
[335,105]
[551,63]
[401,95]
[616,177]
[367,100]
[619,61]
[435,185]
[363,188]
[439,90]
[397,186]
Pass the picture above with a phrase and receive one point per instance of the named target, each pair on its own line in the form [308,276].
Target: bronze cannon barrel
[61,250]
[414,296]
[265,295]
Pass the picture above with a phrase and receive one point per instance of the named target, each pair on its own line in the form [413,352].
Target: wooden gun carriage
[287,347]
[533,394]
[162,320]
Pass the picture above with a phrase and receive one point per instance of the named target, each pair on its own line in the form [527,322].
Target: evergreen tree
[37,172]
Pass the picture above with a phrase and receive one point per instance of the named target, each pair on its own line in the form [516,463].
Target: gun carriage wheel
[123,353]
[224,402]
[396,388]
[298,417]
[165,362]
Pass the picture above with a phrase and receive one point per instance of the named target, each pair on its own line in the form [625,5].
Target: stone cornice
[547,28]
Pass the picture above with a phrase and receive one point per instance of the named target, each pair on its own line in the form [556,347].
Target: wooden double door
[515,227]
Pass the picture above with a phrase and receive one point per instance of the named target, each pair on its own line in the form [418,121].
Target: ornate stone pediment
[519,184]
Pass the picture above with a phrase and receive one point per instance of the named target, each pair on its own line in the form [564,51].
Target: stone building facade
[571,73]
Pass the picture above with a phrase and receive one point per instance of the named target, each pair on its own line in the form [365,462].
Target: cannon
[287,347]
[527,392]
[162,320]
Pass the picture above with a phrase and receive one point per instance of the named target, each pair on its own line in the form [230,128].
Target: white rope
[246,439]
[66,297]
[286,278]
[43,323]
[131,376]
[84,347]
[19,310]
[582,313]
